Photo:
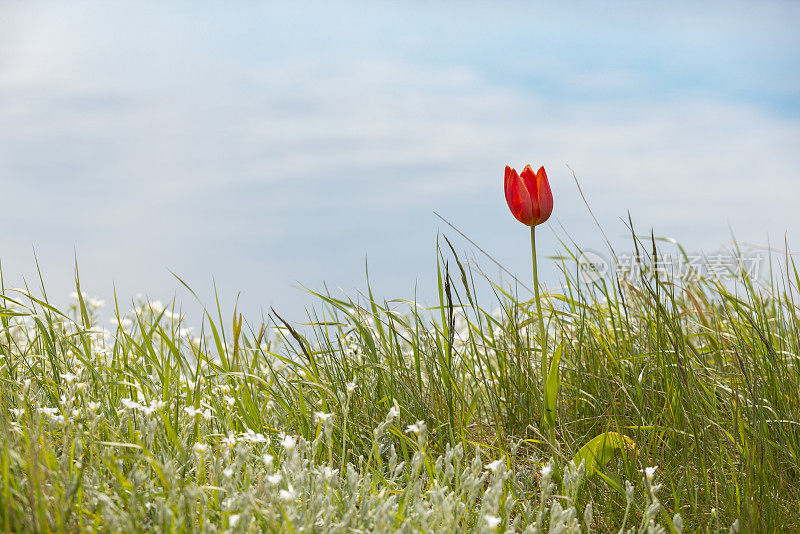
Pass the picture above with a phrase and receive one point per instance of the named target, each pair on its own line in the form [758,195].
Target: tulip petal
[529,179]
[543,199]
[518,198]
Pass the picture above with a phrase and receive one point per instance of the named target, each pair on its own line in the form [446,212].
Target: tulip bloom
[530,200]
[528,195]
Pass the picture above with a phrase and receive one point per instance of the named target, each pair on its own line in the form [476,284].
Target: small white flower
[148,410]
[234,520]
[289,443]
[229,441]
[495,466]
[130,405]
[268,460]
[328,473]
[492,521]
[228,472]
[321,417]
[417,428]
[547,473]
[677,522]
[351,386]
[394,412]
[274,479]
[629,491]
[650,472]
[93,406]
[191,411]
[95,302]
[287,495]
[156,307]
[49,412]
[200,448]
[252,437]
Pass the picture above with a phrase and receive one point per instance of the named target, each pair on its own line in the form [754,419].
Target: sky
[263,147]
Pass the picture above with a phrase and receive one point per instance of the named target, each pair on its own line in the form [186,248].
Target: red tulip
[528,195]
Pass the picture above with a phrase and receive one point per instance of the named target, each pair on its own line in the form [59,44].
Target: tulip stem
[542,334]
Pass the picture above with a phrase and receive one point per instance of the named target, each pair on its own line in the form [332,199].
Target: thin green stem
[542,334]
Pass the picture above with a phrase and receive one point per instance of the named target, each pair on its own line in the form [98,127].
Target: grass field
[664,405]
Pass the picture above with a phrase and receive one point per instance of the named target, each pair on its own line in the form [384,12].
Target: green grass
[313,426]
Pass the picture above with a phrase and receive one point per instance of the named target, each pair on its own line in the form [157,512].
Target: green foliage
[375,415]
[602,449]
[551,386]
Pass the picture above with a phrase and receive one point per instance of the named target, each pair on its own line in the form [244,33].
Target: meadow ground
[663,404]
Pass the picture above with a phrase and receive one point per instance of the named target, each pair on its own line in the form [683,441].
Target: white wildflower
[156,307]
[130,404]
[328,473]
[150,409]
[191,411]
[289,443]
[229,440]
[417,428]
[394,412]
[495,466]
[268,460]
[650,472]
[351,386]
[547,473]
[677,522]
[49,412]
[252,437]
[321,417]
[492,522]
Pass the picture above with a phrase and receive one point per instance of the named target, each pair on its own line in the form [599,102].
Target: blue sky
[266,145]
